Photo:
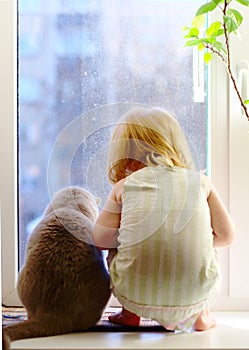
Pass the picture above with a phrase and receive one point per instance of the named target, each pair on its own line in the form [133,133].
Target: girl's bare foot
[125,318]
[204,321]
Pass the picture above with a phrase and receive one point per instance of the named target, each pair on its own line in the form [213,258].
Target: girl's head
[146,137]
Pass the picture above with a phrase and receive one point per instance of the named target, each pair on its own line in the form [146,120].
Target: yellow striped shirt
[166,268]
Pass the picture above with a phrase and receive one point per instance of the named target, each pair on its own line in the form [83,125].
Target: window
[83,65]
[98,59]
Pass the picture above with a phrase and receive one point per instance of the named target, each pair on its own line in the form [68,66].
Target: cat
[64,284]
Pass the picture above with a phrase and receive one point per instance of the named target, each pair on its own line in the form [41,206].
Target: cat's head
[75,198]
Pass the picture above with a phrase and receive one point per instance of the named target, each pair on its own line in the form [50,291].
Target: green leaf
[236,16]
[210,40]
[218,33]
[185,28]
[219,46]
[231,25]
[213,28]
[198,21]
[246,102]
[210,6]
[193,33]
[207,57]
[243,2]
[192,42]
[201,47]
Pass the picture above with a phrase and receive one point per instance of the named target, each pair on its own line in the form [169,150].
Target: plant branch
[228,63]
[216,52]
[231,20]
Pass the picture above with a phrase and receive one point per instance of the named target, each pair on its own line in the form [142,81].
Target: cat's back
[51,243]
[56,257]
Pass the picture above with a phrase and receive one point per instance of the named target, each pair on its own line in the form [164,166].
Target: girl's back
[166,255]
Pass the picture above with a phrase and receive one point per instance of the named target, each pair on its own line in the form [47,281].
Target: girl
[165,220]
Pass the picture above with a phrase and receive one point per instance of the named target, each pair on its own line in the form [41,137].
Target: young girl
[165,220]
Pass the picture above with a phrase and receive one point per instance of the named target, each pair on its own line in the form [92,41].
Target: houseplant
[214,37]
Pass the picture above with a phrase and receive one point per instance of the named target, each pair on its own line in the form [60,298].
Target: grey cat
[63,284]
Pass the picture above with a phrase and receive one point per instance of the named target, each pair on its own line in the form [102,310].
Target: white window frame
[219,156]
[8,150]
[229,142]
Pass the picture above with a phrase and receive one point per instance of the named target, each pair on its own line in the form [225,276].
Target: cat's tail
[30,329]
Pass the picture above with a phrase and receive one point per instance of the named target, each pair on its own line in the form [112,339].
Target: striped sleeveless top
[166,268]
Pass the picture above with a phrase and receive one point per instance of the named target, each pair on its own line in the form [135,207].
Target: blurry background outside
[79,60]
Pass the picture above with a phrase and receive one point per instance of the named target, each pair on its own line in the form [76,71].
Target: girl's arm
[221,222]
[105,231]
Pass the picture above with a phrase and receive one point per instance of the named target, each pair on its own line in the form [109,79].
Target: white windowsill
[231,332]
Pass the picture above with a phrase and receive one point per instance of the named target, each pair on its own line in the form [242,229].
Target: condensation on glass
[81,65]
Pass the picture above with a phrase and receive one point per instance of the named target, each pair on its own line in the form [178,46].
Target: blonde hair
[146,137]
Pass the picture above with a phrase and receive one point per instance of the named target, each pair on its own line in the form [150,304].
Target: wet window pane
[81,65]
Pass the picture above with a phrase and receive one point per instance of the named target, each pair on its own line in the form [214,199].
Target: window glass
[81,65]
